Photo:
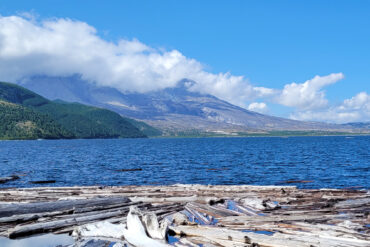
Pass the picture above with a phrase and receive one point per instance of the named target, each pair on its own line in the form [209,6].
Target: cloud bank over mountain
[64,47]
[354,109]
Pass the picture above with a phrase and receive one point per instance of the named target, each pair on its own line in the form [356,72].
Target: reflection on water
[47,240]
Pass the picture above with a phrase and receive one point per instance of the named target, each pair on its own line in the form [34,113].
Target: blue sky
[270,43]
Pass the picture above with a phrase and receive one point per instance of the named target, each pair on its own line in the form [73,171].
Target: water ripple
[334,162]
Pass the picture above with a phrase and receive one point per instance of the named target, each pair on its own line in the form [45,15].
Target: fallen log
[129,170]
[212,210]
[25,230]
[22,208]
[215,234]
[31,217]
[43,182]
[140,230]
[353,203]
[8,179]
[276,240]
[325,217]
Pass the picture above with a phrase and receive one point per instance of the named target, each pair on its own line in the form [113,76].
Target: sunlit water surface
[334,162]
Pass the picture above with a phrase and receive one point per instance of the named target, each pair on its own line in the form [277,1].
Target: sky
[305,60]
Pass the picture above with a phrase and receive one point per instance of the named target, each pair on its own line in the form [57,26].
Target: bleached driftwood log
[319,217]
[22,208]
[135,231]
[43,227]
[221,235]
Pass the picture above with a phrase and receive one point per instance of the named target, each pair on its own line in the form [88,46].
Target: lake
[307,162]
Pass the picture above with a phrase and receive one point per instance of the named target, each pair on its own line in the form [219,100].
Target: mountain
[73,119]
[18,122]
[173,110]
[358,125]
[146,129]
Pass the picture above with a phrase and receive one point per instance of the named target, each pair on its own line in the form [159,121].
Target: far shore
[209,136]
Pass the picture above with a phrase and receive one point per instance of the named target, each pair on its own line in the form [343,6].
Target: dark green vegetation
[90,122]
[26,115]
[18,122]
[145,128]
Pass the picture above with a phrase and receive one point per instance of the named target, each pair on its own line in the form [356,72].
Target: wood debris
[271,216]
[4,180]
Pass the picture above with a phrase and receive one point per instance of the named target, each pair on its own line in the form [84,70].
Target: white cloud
[307,95]
[258,107]
[63,47]
[354,109]
[359,102]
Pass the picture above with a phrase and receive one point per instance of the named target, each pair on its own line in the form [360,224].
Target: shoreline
[190,137]
[266,215]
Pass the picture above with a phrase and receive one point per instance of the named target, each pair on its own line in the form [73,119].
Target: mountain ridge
[31,111]
[174,109]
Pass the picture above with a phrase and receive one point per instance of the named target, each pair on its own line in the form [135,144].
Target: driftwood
[21,208]
[24,230]
[43,182]
[8,179]
[199,214]
[130,170]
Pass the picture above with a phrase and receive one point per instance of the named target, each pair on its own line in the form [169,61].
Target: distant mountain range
[27,115]
[358,125]
[176,110]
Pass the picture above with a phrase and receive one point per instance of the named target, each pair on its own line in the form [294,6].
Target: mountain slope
[80,120]
[18,122]
[90,122]
[173,109]
[359,125]
[144,128]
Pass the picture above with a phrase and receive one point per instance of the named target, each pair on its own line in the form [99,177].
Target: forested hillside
[27,115]
[18,122]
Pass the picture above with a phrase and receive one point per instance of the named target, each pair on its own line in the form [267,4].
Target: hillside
[177,110]
[18,122]
[90,122]
[147,129]
[80,121]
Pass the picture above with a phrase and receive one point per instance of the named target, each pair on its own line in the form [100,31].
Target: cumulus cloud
[260,107]
[359,102]
[64,47]
[308,95]
[354,109]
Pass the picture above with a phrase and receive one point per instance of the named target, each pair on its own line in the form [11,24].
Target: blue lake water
[335,162]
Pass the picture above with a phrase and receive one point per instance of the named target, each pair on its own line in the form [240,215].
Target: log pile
[199,215]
